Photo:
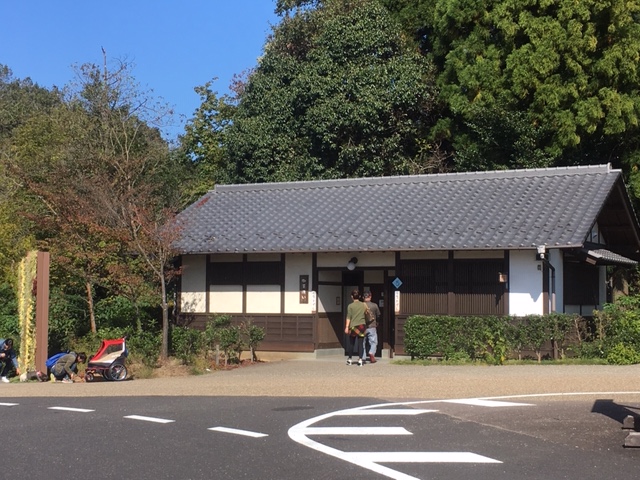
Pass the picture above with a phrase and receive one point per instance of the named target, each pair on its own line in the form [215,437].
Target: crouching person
[66,368]
[8,359]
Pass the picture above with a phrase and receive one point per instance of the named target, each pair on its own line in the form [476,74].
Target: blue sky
[173,45]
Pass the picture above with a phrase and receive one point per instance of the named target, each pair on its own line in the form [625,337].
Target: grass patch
[437,362]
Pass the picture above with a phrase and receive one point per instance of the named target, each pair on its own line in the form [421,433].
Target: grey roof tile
[480,210]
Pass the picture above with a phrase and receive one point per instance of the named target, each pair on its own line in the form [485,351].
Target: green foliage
[9,322]
[145,346]
[616,331]
[536,332]
[621,354]
[187,343]
[221,334]
[338,93]
[254,335]
[491,339]
[556,79]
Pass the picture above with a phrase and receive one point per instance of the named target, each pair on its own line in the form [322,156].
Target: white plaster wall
[225,299]
[296,265]
[263,299]
[329,298]
[525,283]
[194,284]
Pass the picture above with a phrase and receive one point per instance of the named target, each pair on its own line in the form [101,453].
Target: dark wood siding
[452,287]
[425,286]
[248,273]
[292,333]
[581,284]
[476,287]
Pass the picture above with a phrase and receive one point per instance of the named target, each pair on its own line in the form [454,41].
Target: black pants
[354,343]
[6,366]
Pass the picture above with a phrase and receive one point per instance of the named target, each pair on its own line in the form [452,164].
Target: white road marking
[371,460]
[384,411]
[355,431]
[246,433]
[488,403]
[69,409]
[149,419]
[425,457]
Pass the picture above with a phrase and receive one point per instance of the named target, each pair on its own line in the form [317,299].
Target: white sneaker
[5,379]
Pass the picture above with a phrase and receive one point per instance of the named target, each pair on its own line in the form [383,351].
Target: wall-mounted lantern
[352,264]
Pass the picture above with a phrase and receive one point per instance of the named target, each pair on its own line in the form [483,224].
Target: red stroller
[109,361]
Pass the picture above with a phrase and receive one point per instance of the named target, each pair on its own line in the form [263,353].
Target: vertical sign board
[42,310]
[397,301]
[314,307]
[304,288]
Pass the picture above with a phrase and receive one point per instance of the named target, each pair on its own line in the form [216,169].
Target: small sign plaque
[397,282]
[304,288]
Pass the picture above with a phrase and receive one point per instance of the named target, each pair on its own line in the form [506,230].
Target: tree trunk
[164,353]
[92,313]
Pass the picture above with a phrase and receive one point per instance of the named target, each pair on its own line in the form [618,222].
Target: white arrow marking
[355,431]
[370,460]
[238,432]
[424,457]
[69,409]
[149,419]
[385,411]
[488,403]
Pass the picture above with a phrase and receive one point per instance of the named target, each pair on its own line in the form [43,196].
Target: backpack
[369,316]
[51,361]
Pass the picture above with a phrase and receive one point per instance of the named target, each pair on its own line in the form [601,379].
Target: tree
[134,182]
[339,92]
[558,79]
[20,100]
[203,141]
[104,180]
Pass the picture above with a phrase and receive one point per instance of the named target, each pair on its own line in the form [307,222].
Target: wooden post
[42,310]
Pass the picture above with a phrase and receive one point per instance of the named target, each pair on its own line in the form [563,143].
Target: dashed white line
[236,431]
[8,404]
[69,409]
[149,419]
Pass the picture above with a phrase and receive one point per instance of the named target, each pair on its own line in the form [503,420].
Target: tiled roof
[510,209]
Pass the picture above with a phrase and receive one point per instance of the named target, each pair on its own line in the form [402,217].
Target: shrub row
[492,339]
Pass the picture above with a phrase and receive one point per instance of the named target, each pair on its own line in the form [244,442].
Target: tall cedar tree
[534,83]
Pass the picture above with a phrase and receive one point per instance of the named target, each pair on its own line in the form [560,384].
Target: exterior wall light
[541,252]
[352,264]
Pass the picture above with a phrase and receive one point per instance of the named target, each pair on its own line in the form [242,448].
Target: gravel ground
[330,377]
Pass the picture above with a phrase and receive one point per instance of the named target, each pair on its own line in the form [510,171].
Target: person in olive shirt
[355,328]
[67,366]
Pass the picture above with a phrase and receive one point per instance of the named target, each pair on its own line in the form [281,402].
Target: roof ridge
[432,177]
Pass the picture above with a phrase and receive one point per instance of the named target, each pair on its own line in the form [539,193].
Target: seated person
[8,359]
[66,368]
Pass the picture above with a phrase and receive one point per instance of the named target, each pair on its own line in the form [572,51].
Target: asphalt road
[287,438]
